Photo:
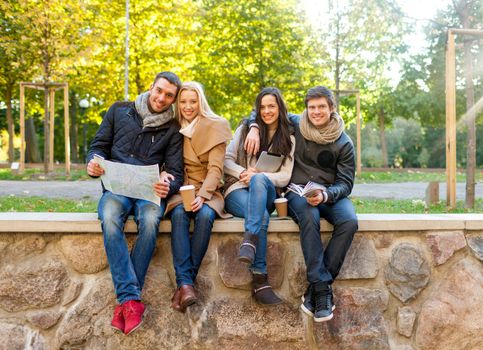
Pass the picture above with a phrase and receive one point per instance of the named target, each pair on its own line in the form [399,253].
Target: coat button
[131,155]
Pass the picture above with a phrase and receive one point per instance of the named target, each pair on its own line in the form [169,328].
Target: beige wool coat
[204,155]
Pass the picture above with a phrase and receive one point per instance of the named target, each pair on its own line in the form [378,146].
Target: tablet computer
[269,162]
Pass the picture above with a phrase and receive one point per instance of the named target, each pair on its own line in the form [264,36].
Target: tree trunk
[382,134]
[74,149]
[32,154]
[46,131]
[137,79]
[10,123]
[337,61]
[463,9]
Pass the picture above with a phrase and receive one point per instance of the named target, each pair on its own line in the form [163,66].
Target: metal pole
[126,62]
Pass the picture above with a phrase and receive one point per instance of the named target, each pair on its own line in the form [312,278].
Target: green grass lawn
[410,206]
[38,204]
[411,176]
[38,174]
[396,175]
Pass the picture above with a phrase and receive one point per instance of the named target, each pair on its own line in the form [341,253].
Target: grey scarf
[328,134]
[151,120]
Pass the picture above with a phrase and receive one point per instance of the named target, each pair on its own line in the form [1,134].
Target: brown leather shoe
[187,297]
[175,301]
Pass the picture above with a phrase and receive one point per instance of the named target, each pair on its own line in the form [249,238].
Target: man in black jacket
[324,154]
[143,132]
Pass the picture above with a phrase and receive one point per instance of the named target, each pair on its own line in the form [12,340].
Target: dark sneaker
[248,248]
[308,302]
[262,290]
[133,311]
[118,319]
[323,302]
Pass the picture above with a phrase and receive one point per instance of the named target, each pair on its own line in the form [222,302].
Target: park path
[91,189]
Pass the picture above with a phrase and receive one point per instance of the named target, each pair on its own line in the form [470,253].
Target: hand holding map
[135,181]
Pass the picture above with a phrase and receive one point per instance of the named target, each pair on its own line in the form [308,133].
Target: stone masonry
[416,290]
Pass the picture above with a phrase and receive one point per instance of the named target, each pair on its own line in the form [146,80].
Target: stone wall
[397,290]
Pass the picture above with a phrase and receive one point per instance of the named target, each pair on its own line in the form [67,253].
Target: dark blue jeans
[189,252]
[323,266]
[255,204]
[128,271]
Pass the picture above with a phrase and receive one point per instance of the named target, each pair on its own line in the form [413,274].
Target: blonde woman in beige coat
[205,138]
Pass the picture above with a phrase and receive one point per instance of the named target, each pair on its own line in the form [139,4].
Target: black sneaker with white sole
[322,294]
[307,302]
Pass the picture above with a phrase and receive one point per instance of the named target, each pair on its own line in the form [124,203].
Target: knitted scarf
[327,134]
[151,120]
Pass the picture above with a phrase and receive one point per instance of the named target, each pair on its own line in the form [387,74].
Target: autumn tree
[244,46]
[422,86]
[16,64]
[365,37]
[50,30]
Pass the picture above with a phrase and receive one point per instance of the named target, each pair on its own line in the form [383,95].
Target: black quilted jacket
[121,138]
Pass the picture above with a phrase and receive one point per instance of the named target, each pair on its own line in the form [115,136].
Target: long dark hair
[281,143]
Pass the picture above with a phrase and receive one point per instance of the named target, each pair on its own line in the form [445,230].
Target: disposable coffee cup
[281,206]
[188,194]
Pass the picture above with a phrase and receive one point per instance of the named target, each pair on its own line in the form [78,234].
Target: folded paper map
[135,181]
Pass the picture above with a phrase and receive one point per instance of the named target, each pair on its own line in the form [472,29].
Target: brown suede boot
[262,291]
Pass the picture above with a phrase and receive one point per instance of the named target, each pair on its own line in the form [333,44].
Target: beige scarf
[327,134]
[151,120]
[187,128]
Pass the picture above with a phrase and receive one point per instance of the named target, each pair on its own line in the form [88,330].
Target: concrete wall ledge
[88,223]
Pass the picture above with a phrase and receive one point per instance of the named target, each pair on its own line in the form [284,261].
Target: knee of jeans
[265,219]
[205,214]
[149,219]
[350,226]
[111,213]
[258,180]
[178,214]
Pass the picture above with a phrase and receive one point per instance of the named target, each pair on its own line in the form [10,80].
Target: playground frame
[451,112]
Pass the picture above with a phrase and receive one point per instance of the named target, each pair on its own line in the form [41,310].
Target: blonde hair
[205,110]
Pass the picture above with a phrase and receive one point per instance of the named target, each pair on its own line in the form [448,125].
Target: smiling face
[189,104]
[161,95]
[269,110]
[319,111]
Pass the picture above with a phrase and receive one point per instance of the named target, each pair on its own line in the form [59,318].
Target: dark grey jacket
[331,165]
[122,138]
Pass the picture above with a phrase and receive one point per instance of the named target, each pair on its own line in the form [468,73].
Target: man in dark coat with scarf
[143,132]
[324,154]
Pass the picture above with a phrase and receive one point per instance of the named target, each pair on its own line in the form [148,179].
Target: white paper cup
[188,194]
[281,204]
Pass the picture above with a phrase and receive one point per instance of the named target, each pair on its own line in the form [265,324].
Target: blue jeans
[255,204]
[128,271]
[323,266]
[188,253]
